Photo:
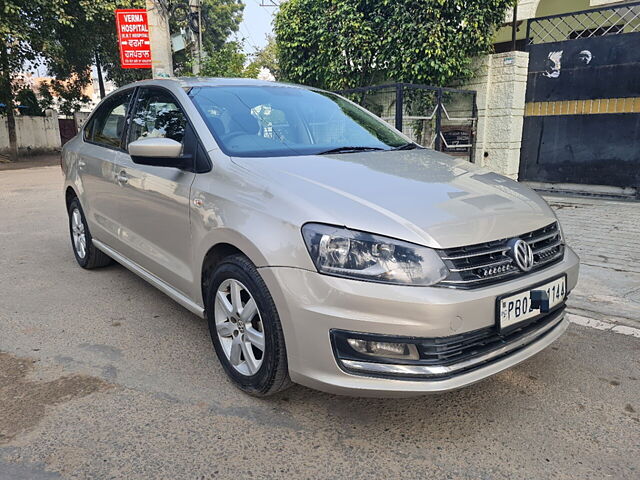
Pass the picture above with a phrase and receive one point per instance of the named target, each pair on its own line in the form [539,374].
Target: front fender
[70,159]
[227,209]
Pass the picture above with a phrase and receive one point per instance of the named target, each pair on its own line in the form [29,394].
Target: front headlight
[364,256]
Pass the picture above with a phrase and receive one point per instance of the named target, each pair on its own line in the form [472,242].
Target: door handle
[122,178]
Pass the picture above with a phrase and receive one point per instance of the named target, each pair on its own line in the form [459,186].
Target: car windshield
[268,121]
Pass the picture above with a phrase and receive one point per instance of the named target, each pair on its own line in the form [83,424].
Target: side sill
[152,279]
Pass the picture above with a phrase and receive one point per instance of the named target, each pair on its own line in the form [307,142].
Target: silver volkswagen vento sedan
[322,245]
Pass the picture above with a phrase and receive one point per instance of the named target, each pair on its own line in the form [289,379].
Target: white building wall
[34,134]
[601,3]
[528,8]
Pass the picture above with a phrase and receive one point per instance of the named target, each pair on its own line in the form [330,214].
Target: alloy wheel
[78,234]
[239,326]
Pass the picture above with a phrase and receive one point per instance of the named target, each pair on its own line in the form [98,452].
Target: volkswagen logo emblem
[521,253]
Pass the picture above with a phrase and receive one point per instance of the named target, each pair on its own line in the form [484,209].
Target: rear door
[155,210]
[103,136]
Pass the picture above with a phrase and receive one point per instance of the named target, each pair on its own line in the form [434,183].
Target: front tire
[87,255]
[245,328]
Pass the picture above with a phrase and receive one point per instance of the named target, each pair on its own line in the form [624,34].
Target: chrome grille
[487,263]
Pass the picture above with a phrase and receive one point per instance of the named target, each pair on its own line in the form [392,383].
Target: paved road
[101,376]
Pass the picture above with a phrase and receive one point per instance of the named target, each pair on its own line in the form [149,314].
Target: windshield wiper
[407,146]
[349,150]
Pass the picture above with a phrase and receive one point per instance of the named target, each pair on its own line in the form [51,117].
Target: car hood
[421,195]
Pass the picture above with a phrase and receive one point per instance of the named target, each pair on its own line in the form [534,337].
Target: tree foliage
[28,103]
[228,61]
[64,36]
[72,48]
[338,44]
[70,95]
[267,57]
[23,33]
[67,35]
[220,19]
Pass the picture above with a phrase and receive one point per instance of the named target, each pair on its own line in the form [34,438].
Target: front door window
[156,115]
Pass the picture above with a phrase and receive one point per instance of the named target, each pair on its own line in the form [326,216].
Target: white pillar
[161,61]
[501,83]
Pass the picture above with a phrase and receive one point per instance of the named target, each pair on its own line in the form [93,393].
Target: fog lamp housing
[394,350]
[366,347]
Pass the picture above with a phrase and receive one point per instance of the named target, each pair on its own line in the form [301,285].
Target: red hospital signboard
[133,37]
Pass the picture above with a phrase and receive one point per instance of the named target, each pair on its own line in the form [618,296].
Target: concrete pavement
[606,236]
[102,376]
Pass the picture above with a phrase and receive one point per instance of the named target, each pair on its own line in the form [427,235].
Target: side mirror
[158,152]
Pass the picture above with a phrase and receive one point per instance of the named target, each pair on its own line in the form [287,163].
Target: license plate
[517,308]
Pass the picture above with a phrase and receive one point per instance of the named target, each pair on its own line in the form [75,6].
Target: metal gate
[582,114]
[439,118]
[67,129]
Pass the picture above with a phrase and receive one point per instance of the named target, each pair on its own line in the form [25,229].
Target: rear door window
[108,123]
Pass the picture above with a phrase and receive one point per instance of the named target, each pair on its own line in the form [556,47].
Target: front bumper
[311,305]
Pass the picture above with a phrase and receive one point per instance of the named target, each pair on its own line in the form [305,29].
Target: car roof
[188,82]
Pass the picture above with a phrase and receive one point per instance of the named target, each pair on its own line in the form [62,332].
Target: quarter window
[107,125]
[157,115]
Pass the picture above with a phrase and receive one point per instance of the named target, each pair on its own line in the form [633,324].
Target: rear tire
[87,255]
[245,328]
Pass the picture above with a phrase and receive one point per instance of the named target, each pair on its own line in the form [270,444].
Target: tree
[339,44]
[73,48]
[46,97]
[23,34]
[70,54]
[267,57]
[220,18]
[70,95]
[228,61]
[69,36]
[28,102]
[60,34]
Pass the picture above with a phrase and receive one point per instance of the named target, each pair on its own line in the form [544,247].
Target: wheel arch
[220,243]
[211,259]
[69,195]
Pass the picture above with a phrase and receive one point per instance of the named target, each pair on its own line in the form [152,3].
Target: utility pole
[195,34]
[158,19]
[199,35]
